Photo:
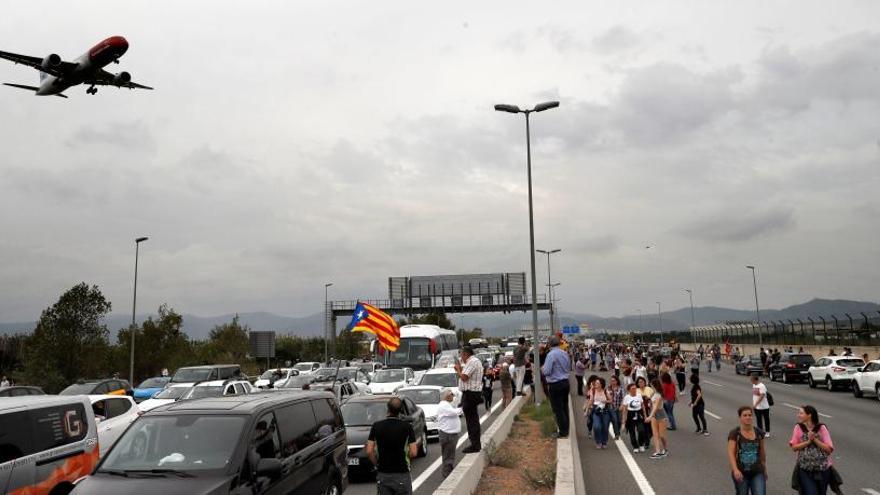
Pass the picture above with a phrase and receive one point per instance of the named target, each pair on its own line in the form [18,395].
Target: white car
[387,381]
[113,414]
[218,388]
[306,367]
[442,377]
[281,374]
[169,394]
[356,377]
[368,367]
[867,380]
[834,371]
[427,397]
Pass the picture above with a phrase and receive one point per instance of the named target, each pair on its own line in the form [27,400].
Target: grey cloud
[739,226]
[128,136]
[604,244]
[615,40]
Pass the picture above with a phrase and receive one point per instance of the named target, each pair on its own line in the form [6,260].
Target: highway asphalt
[698,464]
[426,471]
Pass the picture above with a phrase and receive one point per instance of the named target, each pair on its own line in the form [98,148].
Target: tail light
[837,369]
[432,345]
[789,365]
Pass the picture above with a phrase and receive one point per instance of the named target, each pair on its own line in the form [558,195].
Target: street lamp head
[507,108]
[555,251]
[688,291]
[547,105]
[140,240]
[328,284]
[750,267]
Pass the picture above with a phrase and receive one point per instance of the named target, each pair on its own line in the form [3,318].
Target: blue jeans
[600,426]
[614,419]
[667,406]
[751,484]
[814,483]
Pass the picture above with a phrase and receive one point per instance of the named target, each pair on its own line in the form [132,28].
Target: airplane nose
[119,43]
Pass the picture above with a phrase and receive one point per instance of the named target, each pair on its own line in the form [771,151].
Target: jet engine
[122,78]
[51,61]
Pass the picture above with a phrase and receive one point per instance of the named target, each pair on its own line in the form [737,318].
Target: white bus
[420,346]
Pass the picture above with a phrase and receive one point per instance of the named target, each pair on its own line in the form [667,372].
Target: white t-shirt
[757,390]
[632,403]
[640,371]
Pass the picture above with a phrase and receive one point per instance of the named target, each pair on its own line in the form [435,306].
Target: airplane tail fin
[29,88]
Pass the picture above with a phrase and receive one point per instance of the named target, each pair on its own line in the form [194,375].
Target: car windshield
[413,352]
[851,362]
[802,359]
[348,374]
[297,381]
[363,413]
[366,367]
[78,389]
[205,391]
[303,367]
[324,374]
[172,393]
[184,375]
[184,443]
[154,382]
[421,396]
[441,379]
[388,376]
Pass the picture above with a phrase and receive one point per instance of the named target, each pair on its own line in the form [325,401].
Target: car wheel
[423,446]
[784,377]
[333,487]
[772,376]
[811,381]
[829,383]
[857,392]
[877,391]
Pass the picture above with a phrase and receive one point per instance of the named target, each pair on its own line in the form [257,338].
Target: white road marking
[437,462]
[870,491]
[797,407]
[713,383]
[634,469]
[710,413]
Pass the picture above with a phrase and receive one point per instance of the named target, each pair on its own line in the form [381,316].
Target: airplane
[57,75]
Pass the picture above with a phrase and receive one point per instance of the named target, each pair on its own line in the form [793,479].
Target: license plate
[354,461]
[804,372]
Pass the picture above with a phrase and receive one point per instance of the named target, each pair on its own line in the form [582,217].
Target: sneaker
[664,452]
[636,450]
[767,435]
[641,449]
[697,432]
[657,455]
[706,433]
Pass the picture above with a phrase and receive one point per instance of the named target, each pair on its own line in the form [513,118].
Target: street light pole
[639,311]
[550,284]
[137,243]
[660,316]
[326,324]
[757,308]
[536,375]
[693,320]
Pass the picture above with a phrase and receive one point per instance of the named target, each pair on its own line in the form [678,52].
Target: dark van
[791,367]
[270,443]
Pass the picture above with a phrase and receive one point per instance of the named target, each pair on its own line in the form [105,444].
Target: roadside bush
[500,457]
[541,477]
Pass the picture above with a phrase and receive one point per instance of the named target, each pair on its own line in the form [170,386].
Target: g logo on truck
[72,424]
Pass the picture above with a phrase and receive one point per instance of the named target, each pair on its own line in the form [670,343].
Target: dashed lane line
[796,407]
[870,491]
[710,413]
[634,469]
[437,462]
[713,383]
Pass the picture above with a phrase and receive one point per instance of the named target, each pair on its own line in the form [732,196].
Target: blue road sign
[571,329]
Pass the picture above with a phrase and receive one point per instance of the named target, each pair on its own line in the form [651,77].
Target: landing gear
[92,90]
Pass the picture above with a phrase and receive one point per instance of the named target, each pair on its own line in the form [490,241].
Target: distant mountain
[498,325]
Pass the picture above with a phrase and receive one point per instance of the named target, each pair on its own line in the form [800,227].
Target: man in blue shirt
[557,369]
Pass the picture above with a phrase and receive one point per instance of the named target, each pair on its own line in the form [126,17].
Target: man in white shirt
[761,405]
[470,382]
[449,426]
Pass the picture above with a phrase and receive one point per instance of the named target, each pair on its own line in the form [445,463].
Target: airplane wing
[37,63]
[104,78]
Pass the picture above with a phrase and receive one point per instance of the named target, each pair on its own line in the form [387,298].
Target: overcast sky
[292,143]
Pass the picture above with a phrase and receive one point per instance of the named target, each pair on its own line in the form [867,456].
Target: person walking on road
[519,360]
[506,384]
[557,370]
[747,456]
[470,382]
[579,368]
[449,427]
[633,406]
[698,406]
[657,419]
[488,382]
[695,364]
[680,374]
[761,405]
[597,404]
[615,392]
[390,446]
[669,398]
[811,441]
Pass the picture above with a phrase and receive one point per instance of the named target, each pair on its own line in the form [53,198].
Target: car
[341,390]
[165,396]
[445,377]
[867,380]
[296,382]
[791,367]
[109,386]
[387,380]
[306,367]
[368,367]
[427,397]
[361,412]
[324,374]
[47,442]
[217,388]
[274,375]
[357,377]
[113,414]
[749,365]
[149,387]
[834,371]
[193,374]
[487,358]
[265,443]
[20,390]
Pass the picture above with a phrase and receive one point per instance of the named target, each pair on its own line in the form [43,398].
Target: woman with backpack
[747,456]
[811,441]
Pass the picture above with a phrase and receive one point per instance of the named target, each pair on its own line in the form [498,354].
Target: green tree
[474,333]
[228,343]
[70,340]
[159,343]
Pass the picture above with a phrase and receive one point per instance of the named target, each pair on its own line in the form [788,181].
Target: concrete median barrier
[569,474]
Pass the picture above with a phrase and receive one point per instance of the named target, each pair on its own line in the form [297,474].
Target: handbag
[769,399]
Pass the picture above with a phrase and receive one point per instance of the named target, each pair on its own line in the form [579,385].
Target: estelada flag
[370,319]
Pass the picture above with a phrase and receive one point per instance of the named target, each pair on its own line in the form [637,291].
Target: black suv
[254,444]
[791,367]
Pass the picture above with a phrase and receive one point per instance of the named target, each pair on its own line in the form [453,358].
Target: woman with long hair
[633,407]
[657,419]
[698,406]
[599,402]
[680,374]
[586,408]
[615,393]
[811,441]
[746,455]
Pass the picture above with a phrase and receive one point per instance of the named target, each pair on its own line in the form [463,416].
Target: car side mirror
[269,467]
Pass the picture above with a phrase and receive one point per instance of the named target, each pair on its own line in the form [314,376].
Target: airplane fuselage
[98,57]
